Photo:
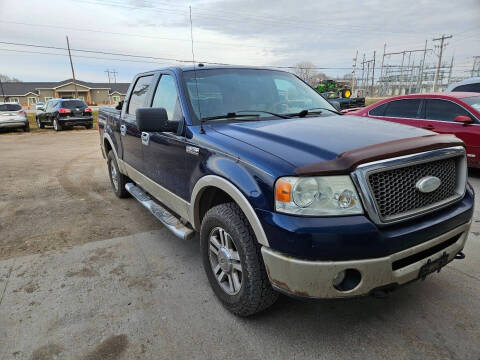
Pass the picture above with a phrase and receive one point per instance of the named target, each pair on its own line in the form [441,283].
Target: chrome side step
[171,222]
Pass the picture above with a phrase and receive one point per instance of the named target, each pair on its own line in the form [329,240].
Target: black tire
[26,128]
[56,125]
[118,189]
[255,294]
[89,126]
[40,125]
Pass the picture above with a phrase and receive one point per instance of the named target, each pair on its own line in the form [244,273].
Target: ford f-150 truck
[287,194]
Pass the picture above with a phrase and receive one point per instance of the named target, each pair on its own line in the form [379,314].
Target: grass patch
[370,101]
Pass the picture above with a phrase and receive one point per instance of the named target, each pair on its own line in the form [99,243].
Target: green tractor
[339,92]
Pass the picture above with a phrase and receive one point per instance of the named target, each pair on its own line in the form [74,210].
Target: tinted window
[443,110]
[72,104]
[166,96]
[473,102]
[379,110]
[139,93]
[10,107]
[468,87]
[407,108]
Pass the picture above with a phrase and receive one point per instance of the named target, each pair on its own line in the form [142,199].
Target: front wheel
[233,261]
[117,179]
[39,124]
[56,125]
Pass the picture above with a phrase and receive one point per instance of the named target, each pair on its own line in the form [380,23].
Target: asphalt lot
[84,275]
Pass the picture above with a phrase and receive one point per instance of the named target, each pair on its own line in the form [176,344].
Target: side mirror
[336,105]
[463,119]
[155,120]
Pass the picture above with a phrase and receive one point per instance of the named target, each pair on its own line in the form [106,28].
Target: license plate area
[433,266]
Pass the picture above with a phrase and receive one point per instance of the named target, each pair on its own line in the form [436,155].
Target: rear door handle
[429,127]
[123,130]
[145,138]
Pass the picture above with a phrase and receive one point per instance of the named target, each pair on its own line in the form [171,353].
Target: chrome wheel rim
[55,125]
[225,261]
[114,176]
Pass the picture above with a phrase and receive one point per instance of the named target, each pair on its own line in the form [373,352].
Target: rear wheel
[56,125]
[117,179]
[89,126]
[26,128]
[39,123]
[233,261]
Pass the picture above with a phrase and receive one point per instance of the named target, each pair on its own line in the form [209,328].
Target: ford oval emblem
[428,184]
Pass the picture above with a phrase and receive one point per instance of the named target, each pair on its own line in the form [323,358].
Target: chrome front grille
[395,193]
[388,187]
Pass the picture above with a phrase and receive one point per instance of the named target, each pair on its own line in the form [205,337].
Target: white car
[40,106]
[12,116]
[469,85]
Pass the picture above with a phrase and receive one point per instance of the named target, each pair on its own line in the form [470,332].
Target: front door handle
[123,130]
[145,138]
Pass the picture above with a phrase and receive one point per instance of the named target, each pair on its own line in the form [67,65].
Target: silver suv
[12,116]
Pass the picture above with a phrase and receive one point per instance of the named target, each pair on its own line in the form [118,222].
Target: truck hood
[302,141]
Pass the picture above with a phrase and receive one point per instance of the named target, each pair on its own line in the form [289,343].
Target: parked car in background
[455,113]
[469,85]
[39,105]
[12,116]
[65,113]
[287,194]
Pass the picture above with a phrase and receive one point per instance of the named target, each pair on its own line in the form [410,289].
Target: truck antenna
[202,130]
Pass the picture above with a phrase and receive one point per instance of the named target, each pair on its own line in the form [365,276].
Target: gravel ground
[84,275]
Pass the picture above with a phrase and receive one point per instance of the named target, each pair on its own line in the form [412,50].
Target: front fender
[236,194]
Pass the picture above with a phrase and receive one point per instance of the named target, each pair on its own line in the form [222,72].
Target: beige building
[30,93]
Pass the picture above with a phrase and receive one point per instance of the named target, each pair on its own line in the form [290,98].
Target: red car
[455,113]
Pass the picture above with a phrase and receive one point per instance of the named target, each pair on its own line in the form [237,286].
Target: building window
[13,99]
[32,100]
[116,98]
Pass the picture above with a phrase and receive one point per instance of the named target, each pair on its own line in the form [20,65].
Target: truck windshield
[224,91]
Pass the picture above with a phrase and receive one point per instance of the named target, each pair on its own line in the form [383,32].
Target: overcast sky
[279,33]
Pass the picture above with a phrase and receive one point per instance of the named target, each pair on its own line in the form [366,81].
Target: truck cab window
[166,96]
[139,94]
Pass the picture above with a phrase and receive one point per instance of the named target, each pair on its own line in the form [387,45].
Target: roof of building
[23,88]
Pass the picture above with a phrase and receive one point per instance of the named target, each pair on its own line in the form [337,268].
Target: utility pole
[354,80]
[420,76]
[73,72]
[450,72]
[114,76]
[108,75]
[383,59]
[401,74]
[363,73]
[476,63]
[442,45]
[373,74]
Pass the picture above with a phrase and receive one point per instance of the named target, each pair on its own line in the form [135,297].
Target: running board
[171,222]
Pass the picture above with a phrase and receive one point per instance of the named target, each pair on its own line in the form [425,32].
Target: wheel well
[211,197]
[107,146]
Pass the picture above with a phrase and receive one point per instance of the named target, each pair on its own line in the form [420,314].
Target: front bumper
[314,279]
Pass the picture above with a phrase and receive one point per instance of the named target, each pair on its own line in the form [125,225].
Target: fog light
[347,280]
[338,279]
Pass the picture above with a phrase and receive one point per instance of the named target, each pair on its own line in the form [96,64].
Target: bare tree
[6,78]
[306,71]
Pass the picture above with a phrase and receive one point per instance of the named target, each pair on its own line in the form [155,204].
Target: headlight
[317,196]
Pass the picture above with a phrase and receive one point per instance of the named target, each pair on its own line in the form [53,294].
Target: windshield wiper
[230,115]
[237,114]
[318,110]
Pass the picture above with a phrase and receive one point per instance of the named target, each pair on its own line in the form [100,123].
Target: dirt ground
[55,192]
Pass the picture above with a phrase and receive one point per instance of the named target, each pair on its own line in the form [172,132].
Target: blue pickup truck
[288,195]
